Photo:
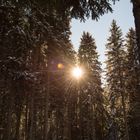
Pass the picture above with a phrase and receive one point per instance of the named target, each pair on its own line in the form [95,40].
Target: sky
[122,13]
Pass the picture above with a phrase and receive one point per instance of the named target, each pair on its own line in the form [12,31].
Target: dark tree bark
[18,115]
[32,118]
[136,13]
[46,109]
[135,107]
[9,120]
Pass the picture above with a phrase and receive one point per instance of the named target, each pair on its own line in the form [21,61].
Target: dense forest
[41,98]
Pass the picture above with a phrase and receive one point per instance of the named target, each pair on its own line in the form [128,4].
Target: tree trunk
[18,115]
[46,109]
[124,107]
[26,133]
[93,121]
[125,117]
[66,122]
[10,111]
[67,117]
[135,107]
[136,13]
[32,119]
[9,120]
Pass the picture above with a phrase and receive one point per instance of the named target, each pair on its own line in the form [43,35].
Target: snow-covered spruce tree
[131,84]
[27,43]
[116,83]
[131,63]
[91,98]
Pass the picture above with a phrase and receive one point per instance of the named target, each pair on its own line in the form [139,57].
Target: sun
[77,72]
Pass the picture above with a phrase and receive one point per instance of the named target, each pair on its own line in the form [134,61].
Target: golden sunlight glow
[77,72]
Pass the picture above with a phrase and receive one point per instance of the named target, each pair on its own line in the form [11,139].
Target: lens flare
[60,66]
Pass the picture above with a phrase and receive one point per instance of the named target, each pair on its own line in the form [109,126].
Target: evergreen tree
[34,37]
[31,42]
[131,63]
[91,98]
[131,82]
[116,83]
[136,99]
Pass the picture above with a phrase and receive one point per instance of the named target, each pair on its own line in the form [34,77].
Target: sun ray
[77,72]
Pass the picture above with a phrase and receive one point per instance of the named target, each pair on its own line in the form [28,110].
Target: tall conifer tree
[132,81]
[115,83]
[91,98]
